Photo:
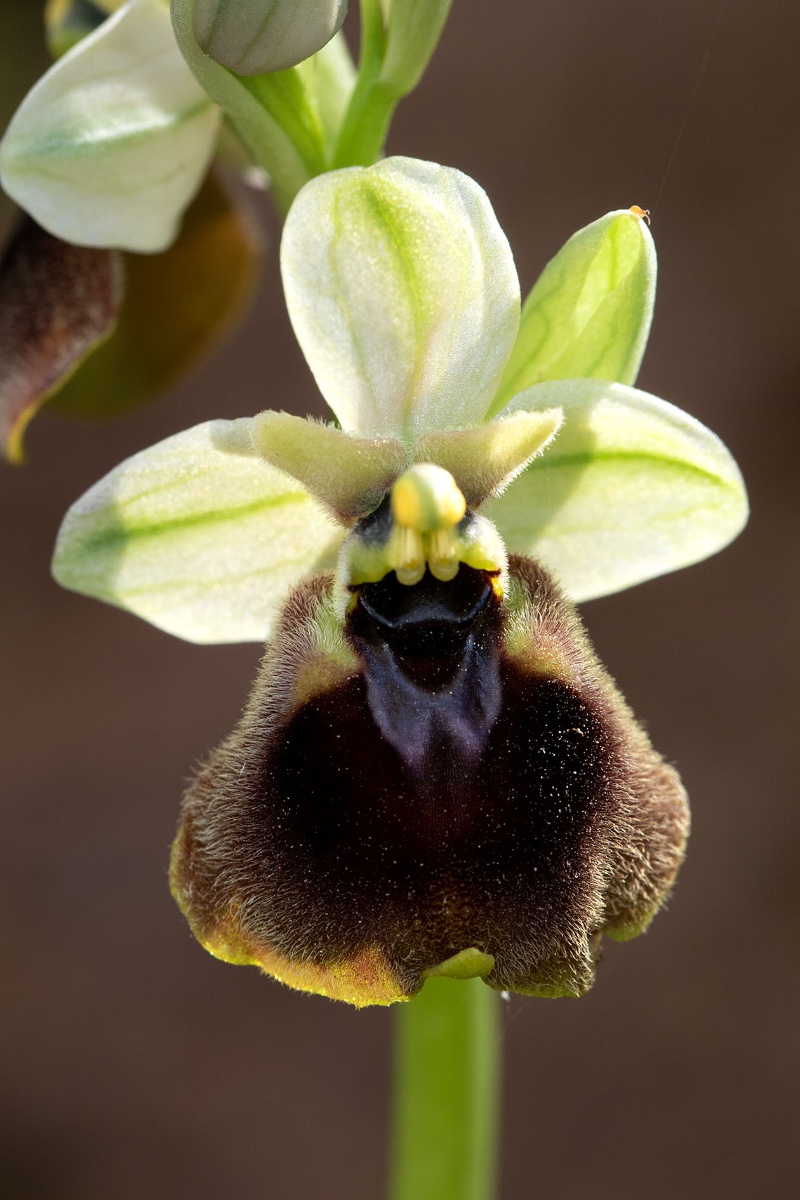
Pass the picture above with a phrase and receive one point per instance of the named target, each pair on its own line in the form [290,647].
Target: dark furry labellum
[446,770]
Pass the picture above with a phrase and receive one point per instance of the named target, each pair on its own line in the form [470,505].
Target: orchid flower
[106,152]
[434,774]
[115,139]
[112,143]
[104,155]
[110,153]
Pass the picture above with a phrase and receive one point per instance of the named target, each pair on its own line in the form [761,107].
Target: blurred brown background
[133,1063]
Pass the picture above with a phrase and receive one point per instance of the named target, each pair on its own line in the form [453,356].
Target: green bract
[403,294]
[112,143]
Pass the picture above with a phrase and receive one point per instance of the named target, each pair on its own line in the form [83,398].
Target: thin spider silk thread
[713,38]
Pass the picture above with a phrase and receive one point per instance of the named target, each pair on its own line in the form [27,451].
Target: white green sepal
[631,488]
[589,313]
[114,140]
[197,535]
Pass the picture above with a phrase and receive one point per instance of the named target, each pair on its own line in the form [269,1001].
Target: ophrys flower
[433,772]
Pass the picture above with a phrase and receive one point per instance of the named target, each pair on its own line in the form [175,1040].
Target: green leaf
[177,305]
[403,295]
[254,36]
[631,488]
[112,143]
[413,29]
[588,314]
[57,303]
[197,535]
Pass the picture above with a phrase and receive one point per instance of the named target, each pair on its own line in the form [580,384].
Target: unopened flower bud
[254,36]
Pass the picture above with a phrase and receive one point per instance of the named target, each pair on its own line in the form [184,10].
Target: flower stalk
[398,38]
[447,1069]
[367,119]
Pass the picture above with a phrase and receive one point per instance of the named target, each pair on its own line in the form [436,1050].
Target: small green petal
[631,488]
[403,295]
[349,475]
[112,143]
[588,314]
[485,458]
[197,535]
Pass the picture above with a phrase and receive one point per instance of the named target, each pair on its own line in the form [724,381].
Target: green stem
[261,133]
[284,96]
[371,106]
[446,1093]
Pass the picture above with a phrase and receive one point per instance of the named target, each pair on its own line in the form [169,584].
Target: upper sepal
[403,295]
